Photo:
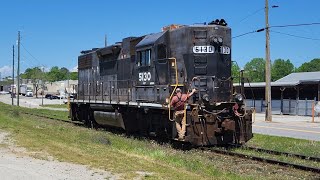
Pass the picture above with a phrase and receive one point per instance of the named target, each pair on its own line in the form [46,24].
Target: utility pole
[18,71]
[268,67]
[105,40]
[12,94]
[42,84]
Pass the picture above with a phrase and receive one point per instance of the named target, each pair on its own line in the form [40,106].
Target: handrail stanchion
[102,92]
[175,85]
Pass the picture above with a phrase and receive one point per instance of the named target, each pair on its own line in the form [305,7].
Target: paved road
[32,102]
[299,127]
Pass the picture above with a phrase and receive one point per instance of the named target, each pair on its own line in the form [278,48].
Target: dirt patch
[18,163]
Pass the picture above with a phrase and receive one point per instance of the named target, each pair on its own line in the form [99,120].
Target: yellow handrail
[175,86]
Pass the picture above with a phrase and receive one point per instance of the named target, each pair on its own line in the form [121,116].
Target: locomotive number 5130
[144,76]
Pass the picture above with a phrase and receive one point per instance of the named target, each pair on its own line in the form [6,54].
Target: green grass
[49,113]
[127,156]
[65,106]
[285,144]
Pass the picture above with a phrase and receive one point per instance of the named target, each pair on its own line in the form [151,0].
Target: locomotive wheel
[90,122]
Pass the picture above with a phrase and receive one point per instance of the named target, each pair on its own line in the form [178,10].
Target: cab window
[162,51]
[144,58]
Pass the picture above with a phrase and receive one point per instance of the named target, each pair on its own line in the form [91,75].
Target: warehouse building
[293,94]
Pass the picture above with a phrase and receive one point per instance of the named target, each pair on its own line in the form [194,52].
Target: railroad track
[236,154]
[300,156]
[52,118]
[271,161]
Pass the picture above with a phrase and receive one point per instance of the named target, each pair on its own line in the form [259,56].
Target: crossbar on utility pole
[12,95]
[18,71]
[268,67]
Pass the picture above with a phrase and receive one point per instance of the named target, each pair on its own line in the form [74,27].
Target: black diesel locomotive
[130,84]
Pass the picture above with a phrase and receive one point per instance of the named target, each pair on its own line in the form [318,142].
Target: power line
[281,26]
[255,12]
[302,37]
[31,55]
[292,25]
[245,34]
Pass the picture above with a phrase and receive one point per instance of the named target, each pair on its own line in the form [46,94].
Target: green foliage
[281,68]
[74,75]
[312,66]
[255,69]
[5,81]
[235,70]
[56,74]
[33,73]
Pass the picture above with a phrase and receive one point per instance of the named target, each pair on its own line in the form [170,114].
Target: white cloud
[74,69]
[6,71]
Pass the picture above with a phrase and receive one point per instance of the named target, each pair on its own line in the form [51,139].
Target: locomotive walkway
[300,127]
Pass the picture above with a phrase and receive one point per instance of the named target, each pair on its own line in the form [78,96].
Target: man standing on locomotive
[178,101]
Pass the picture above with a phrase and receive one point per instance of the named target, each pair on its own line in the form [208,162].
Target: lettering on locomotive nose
[144,76]
[203,49]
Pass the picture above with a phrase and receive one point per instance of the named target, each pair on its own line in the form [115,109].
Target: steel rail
[300,156]
[52,118]
[260,159]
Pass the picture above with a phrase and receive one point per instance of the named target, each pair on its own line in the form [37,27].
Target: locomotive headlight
[238,98]
[220,40]
[206,98]
[215,40]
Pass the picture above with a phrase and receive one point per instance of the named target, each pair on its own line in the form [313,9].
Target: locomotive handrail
[175,85]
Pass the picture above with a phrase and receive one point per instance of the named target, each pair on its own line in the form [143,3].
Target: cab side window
[162,51]
[144,58]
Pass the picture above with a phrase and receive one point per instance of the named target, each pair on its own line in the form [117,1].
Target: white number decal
[224,50]
[144,76]
[140,76]
[203,49]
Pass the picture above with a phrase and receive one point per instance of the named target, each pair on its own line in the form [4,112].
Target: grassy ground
[298,146]
[129,157]
[65,106]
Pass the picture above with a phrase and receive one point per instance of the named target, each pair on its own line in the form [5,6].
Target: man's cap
[178,90]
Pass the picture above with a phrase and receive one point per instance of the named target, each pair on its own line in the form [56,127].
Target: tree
[56,74]
[255,69]
[312,66]
[36,75]
[53,74]
[235,71]
[281,68]
[64,73]
[74,75]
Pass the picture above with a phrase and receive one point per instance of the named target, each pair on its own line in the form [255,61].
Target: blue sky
[54,32]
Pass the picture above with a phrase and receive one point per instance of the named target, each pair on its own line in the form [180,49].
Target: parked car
[50,96]
[29,93]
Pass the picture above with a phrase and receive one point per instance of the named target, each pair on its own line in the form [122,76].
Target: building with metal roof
[291,80]
[289,94]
